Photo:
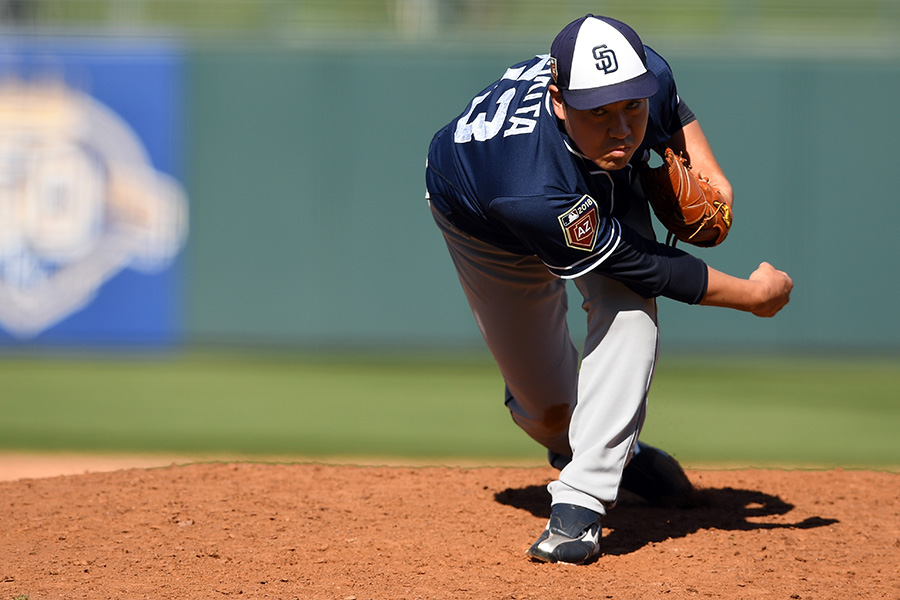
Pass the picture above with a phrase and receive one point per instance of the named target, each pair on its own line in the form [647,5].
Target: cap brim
[642,86]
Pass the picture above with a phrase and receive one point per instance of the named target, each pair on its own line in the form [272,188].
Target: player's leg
[520,309]
[616,371]
[618,363]
[652,473]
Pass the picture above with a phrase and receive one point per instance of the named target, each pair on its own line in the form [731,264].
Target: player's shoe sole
[657,478]
[572,536]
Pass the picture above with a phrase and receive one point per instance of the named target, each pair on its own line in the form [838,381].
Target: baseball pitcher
[544,178]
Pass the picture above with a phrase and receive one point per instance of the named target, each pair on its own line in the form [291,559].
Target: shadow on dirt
[633,524]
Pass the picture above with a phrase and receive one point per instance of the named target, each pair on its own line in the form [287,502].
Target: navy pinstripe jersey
[505,172]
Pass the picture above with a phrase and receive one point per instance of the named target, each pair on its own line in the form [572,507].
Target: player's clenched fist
[775,288]
[764,293]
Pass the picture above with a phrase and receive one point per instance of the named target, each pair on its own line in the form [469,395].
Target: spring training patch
[579,224]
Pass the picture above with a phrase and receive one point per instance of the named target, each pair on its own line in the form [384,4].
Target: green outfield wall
[309,226]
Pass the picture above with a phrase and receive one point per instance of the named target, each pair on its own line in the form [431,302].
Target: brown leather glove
[687,205]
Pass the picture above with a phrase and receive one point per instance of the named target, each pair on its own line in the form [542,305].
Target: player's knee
[550,423]
[556,418]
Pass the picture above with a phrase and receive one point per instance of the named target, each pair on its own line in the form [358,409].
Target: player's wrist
[727,291]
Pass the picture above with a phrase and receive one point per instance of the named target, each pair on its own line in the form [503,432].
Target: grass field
[784,411]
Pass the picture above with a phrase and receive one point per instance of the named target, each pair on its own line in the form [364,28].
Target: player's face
[608,135]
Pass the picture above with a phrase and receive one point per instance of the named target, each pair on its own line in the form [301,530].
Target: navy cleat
[572,536]
[657,478]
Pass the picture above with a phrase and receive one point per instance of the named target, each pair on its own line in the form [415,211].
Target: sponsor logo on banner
[579,224]
[79,202]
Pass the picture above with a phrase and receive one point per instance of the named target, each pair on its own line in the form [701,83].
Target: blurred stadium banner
[95,96]
[93,216]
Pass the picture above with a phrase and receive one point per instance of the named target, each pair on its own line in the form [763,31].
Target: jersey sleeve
[668,112]
[574,236]
[652,269]
[685,114]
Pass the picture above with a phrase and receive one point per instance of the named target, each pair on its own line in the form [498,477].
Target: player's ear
[559,105]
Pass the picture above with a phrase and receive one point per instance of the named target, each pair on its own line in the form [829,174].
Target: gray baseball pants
[588,417]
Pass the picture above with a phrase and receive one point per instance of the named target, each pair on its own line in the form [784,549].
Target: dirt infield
[310,531]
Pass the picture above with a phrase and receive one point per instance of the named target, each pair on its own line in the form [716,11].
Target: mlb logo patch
[579,224]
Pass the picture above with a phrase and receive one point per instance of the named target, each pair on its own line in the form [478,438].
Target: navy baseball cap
[596,61]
